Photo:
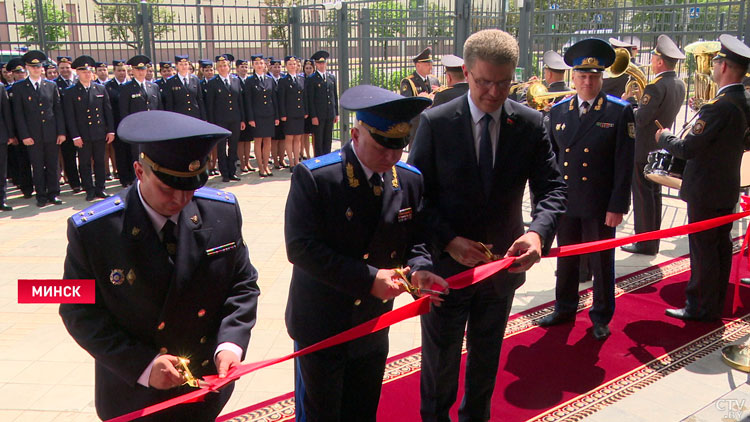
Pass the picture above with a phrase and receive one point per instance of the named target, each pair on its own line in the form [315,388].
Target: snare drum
[664,168]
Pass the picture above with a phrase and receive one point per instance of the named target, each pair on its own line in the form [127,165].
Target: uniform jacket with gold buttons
[88,114]
[144,305]
[225,105]
[322,98]
[38,113]
[414,84]
[183,99]
[260,98]
[133,100]
[338,237]
[595,154]
[291,95]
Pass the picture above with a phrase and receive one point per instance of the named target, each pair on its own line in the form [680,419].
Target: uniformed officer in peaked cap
[421,81]
[593,137]
[323,103]
[225,107]
[661,101]
[166,70]
[149,251]
[182,92]
[90,125]
[616,86]
[455,81]
[711,181]
[40,125]
[346,261]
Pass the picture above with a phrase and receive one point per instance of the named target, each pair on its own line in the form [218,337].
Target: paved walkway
[45,376]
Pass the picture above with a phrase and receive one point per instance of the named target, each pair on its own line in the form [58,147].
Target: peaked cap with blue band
[385,114]
[174,145]
[591,55]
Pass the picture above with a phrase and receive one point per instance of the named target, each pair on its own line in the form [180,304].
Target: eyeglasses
[485,84]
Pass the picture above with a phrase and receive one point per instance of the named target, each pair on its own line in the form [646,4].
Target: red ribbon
[422,305]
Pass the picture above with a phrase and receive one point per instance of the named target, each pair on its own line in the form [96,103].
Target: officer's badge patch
[131,277]
[599,107]
[349,214]
[404,215]
[194,219]
[631,130]
[698,127]
[194,165]
[645,99]
[117,276]
[135,231]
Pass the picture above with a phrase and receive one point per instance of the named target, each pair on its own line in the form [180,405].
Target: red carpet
[562,372]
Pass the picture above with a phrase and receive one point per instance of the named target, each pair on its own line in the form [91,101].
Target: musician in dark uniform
[68,151]
[455,81]
[173,276]
[345,253]
[661,101]
[90,125]
[616,86]
[7,137]
[261,111]
[711,182]
[123,155]
[40,125]
[593,135]
[554,73]
[138,95]
[225,107]
[421,82]
[19,164]
[322,103]
[292,108]
[182,92]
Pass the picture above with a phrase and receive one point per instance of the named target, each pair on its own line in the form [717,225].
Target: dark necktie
[36,86]
[584,107]
[377,184]
[226,82]
[169,240]
[185,82]
[485,154]
[143,90]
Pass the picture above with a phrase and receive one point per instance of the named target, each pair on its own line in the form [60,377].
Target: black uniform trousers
[19,168]
[124,157]
[68,150]
[323,136]
[45,171]
[442,333]
[646,207]
[3,169]
[331,385]
[710,264]
[96,150]
[227,161]
[572,230]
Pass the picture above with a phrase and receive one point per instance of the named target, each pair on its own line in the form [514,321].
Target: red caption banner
[56,291]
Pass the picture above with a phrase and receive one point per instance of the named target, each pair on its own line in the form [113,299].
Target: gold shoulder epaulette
[443,88]
[655,81]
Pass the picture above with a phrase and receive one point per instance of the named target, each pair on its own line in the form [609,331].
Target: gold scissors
[182,367]
[410,287]
[488,252]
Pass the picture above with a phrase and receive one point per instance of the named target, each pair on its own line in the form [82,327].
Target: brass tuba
[537,96]
[705,87]
[623,65]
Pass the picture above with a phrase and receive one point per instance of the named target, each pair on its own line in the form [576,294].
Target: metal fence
[370,41]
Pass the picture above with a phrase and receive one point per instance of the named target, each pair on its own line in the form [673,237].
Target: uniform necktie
[143,89]
[36,86]
[226,82]
[169,240]
[584,107]
[185,82]
[377,184]
[485,154]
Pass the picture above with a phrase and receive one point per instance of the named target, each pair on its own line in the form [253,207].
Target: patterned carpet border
[588,403]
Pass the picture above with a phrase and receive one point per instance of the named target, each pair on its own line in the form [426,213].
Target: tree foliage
[54,23]
[278,19]
[123,25]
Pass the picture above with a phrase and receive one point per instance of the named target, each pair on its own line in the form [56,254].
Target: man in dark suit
[68,151]
[477,154]
[123,155]
[322,102]
[346,255]
[182,92]
[40,125]
[90,125]
[7,137]
[711,181]
[138,95]
[661,101]
[593,137]
[455,80]
[225,106]
[173,276]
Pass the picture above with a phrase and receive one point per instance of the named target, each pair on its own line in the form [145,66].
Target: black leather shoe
[27,195]
[41,202]
[684,315]
[4,207]
[90,196]
[234,177]
[555,318]
[101,194]
[635,249]
[600,331]
[55,201]
[77,189]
